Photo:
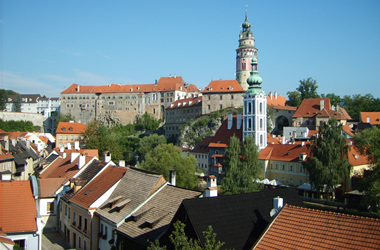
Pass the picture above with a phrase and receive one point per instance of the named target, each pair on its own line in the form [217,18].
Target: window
[301,182]
[232,97]
[85,225]
[301,169]
[221,106]
[291,180]
[19,244]
[105,231]
[50,208]
[283,179]
[101,228]
[69,212]
[85,245]
[80,222]
[271,166]
[79,242]
[208,107]
[283,167]
[276,166]
[221,97]
[291,168]
[65,209]
[74,218]
[60,137]
[209,98]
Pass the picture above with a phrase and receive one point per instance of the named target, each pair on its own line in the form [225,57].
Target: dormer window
[71,129]
[63,129]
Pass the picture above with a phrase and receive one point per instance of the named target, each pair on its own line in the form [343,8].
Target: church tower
[255,108]
[245,53]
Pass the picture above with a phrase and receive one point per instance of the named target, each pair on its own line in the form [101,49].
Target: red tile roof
[271,140]
[276,100]
[283,152]
[64,168]
[3,132]
[71,128]
[348,130]
[18,210]
[15,135]
[49,186]
[164,84]
[98,186]
[311,107]
[279,107]
[357,159]
[230,86]
[185,103]
[4,155]
[374,117]
[304,228]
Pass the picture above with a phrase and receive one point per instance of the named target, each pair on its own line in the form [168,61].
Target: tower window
[244,66]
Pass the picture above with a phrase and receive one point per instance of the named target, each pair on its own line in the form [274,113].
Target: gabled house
[303,228]
[81,231]
[135,188]
[222,94]
[148,222]
[69,132]
[315,111]
[19,215]
[237,220]
[372,118]
[25,157]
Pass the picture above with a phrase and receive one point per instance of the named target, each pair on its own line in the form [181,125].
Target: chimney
[78,89]
[74,155]
[368,119]
[172,177]
[270,95]
[107,156]
[278,203]
[302,156]
[64,155]
[76,145]
[121,163]
[275,95]
[81,160]
[68,145]
[238,121]
[212,188]
[322,105]
[61,149]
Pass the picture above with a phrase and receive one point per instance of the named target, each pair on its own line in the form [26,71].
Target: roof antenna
[246,18]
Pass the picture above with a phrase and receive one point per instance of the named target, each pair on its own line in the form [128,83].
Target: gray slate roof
[136,185]
[154,218]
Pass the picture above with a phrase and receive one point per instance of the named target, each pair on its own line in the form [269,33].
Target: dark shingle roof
[237,220]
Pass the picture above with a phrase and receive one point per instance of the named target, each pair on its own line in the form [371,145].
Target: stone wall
[35,118]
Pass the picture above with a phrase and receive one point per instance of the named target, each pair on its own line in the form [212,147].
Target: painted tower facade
[245,53]
[255,108]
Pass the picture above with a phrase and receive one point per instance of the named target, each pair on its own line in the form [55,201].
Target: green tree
[241,167]
[97,136]
[18,104]
[14,126]
[358,103]
[181,242]
[166,157]
[147,122]
[294,99]
[329,165]
[148,143]
[3,99]
[368,143]
[63,118]
[334,99]
[308,88]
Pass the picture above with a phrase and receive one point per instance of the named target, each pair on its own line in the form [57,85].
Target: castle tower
[255,109]
[245,53]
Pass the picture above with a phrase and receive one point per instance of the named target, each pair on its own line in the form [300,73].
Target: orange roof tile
[71,128]
[49,186]
[304,228]
[279,107]
[4,155]
[311,107]
[231,86]
[276,100]
[3,132]
[374,117]
[15,135]
[185,103]
[98,186]
[357,159]
[348,130]
[64,168]
[283,152]
[18,210]
[271,140]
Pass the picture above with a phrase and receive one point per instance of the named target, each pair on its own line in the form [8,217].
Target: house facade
[69,133]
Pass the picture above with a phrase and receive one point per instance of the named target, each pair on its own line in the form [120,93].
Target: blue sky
[46,46]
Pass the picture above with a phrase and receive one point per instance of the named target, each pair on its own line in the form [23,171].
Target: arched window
[261,123]
[261,107]
[261,139]
[249,108]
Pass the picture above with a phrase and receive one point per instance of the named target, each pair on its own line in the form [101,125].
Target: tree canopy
[147,143]
[306,89]
[241,167]
[368,143]
[166,157]
[358,103]
[14,126]
[147,122]
[18,104]
[328,165]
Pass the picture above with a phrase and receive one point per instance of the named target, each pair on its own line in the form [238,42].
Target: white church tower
[255,109]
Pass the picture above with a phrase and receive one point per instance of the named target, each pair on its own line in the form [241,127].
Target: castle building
[245,53]
[255,109]
[117,103]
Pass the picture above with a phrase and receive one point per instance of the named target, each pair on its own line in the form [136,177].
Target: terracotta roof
[15,135]
[374,117]
[276,100]
[283,152]
[192,88]
[271,140]
[5,155]
[311,107]
[2,132]
[136,185]
[24,98]
[154,217]
[98,186]
[71,128]
[202,147]
[279,107]
[230,86]
[6,240]
[304,228]
[357,159]
[164,84]
[18,207]
[49,186]
[348,130]
[185,103]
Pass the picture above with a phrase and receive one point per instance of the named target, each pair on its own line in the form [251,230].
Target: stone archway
[280,123]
